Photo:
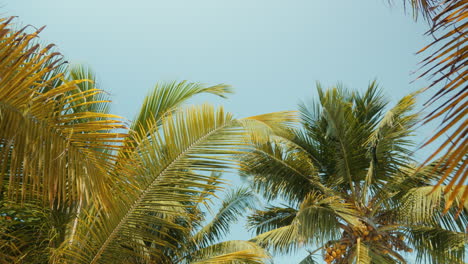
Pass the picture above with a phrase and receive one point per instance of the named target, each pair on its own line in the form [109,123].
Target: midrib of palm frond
[148,188]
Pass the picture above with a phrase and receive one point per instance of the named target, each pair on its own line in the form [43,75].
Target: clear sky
[272,52]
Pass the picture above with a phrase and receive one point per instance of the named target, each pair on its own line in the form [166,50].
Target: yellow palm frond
[45,151]
[231,252]
[172,164]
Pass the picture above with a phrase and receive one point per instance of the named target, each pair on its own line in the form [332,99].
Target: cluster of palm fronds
[351,188]
[79,185]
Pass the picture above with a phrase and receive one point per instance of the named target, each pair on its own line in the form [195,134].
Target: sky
[272,52]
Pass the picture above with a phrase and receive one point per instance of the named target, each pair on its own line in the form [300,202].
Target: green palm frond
[233,206]
[93,99]
[285,239]
[437,245]
[424,205]
[269,162]
[271,218]
[319,216]
[173,162]
[165,98]
[390,145]
[369,105]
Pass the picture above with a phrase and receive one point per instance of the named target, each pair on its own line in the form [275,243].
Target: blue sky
[272,52]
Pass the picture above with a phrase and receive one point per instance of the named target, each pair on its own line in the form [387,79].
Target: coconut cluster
[335,252]
[385,241]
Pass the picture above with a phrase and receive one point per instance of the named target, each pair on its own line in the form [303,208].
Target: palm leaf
[233,207]
[44,153]
[165,98]
[273,217]
[320,216]
[446,67]
[173,161]
[284,239]
[437,245]
[231,252]
[308,260]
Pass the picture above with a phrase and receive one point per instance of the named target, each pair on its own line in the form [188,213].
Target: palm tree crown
[352,188]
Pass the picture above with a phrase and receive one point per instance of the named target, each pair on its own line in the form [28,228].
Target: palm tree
[351,187]
[77,186]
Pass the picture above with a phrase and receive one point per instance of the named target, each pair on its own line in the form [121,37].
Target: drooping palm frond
[446,67]
[165,98]
[271,218]
[285,239]
[422,205]
[320,216]
[438,245]
[268,164]
[44,153]
[234,206]
[426,8]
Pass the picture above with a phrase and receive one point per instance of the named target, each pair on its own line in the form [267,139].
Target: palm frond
[173,162]
[446,67]
[320,216]
[390,146]
[234,206]
[44,153]
[165,98]
[437,245]
[426,8]
[231,252]
[424,205]
[361,253]
[93,99]
[271,218]
[262,127]
[269,162]
[308,260]
[284,239]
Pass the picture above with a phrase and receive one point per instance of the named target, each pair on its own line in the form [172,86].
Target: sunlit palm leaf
[166,98]
[173,161]
[44,152]
[231,252]
[284,239]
